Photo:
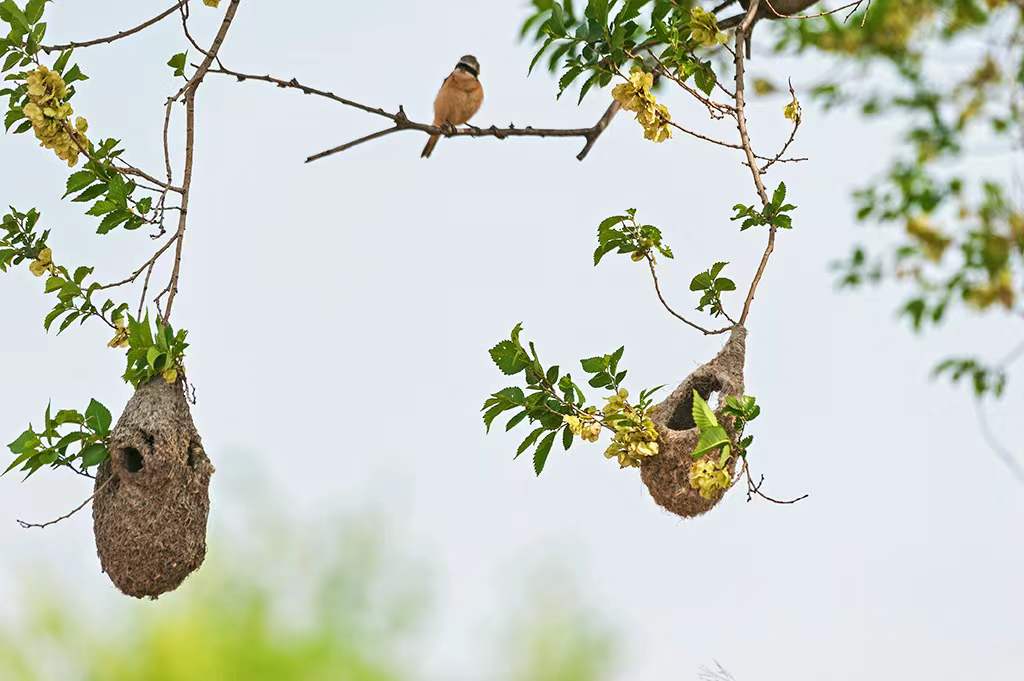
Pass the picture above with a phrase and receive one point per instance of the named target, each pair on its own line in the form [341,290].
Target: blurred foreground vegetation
[332,604]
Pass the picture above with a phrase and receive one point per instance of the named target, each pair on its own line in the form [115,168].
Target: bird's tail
[429,149]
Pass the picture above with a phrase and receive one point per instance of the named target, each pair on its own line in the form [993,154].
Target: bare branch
[117,36]
[742,31]
[189,91]
[40,526]
[402,122]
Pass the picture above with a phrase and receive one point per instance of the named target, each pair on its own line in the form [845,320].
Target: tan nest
[667,474]
[152,496]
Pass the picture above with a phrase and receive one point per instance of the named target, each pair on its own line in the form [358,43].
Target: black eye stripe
[468,69]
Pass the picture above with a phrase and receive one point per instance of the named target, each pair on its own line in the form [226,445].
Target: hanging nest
[152,495]
[667,475]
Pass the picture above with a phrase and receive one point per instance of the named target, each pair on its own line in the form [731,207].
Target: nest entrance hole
[682,417]
[132,460]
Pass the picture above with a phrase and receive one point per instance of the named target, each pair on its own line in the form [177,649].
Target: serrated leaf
[529,440]
[98,418]
[540,456]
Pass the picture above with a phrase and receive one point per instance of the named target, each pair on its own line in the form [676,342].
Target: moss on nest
[152,496]
[667,474]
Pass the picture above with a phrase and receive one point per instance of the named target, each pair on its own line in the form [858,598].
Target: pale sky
[340,314]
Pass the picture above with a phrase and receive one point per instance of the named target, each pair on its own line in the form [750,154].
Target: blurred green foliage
[328,602]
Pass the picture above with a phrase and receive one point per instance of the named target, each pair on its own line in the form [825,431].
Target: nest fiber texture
[152,496]
[667,474]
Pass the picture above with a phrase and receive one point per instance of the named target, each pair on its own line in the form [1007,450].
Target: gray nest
[152,495]
[667,474]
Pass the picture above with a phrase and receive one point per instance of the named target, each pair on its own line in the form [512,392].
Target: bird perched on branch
[768,9]
[458,100]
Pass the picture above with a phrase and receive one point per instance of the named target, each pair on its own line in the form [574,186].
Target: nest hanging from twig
[667,474]
[152,496]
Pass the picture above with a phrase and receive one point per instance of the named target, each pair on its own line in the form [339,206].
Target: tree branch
[402,122]
[189,91]
[742,31]
[40,526]
[117,36]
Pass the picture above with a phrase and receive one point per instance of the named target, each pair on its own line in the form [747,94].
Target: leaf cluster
[713,436]
[597,43]
[713,286]
[154,349]
[69,438]
[623,234]
[551,400]
[775,214]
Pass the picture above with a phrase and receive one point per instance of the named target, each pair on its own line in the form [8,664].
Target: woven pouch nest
[667,474]
[152,495]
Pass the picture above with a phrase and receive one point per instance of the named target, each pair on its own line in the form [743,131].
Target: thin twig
[148,264]
[117,36]
[755,489]
[792,134]
[40,526]
[664,303]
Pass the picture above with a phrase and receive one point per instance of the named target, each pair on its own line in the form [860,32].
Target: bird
[768,9]
[458,100]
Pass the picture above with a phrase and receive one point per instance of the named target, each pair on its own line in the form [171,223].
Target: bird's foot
[448,129]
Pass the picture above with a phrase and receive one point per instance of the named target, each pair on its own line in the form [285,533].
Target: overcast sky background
[340,314]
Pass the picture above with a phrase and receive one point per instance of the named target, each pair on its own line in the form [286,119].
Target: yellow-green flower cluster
[636,438]
[704,28]
[708,478]
[211,3]
[43,263]
[635,95]
[50,114]
[793,111]
[586,427]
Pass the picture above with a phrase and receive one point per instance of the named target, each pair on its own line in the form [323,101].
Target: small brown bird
[458,100]
[768,9]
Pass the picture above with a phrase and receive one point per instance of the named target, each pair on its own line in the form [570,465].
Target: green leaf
[177,62]
[91,193]
[529,440]
[98,418]
[112,220]
[780,195]
[94,454]
[68,416]
[540,456]
[516,420]
[509,355]
[79,181]
[594,365]
[18,18]
[566,438]
[34,10]
[701,282]
[703,415]
[710,440]
[62,61]
[26,440]
[74,74]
